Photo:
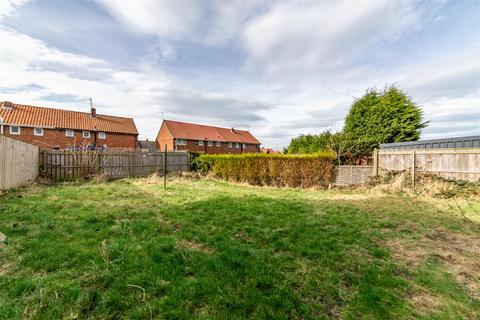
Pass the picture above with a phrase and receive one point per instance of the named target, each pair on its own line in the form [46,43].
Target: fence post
[413,168]
[165,168]
[131,165]
[375,162]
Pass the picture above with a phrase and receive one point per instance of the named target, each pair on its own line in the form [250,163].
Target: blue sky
[278,68]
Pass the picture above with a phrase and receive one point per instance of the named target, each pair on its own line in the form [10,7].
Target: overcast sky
[278,68]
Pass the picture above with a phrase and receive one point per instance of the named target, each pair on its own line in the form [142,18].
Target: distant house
[269,151]
[146,145]
[63,129]
[182,136]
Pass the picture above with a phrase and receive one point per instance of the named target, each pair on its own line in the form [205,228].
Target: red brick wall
[193,146]
[164,137]
[56,138]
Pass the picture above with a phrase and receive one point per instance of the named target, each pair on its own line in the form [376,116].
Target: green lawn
[205,249]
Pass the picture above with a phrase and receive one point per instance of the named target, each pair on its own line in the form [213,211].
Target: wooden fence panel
[18,163]
[70,165]
[460,164]
[351,175]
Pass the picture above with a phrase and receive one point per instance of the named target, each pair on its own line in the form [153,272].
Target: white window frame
[237,145]
[85,136]
[38,134]
[210,143]
[230,145]
[69,133]
[244,145]
[181,142]
[200,143]
[15,133]
[102,135]
[219,144]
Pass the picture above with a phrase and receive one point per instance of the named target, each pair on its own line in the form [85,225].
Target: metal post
[165,168]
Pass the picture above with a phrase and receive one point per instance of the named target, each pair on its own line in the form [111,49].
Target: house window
[200,142]
[181,142]
[244,145]
[102,135]
[219,144]
[237,145]
[86,134]
[210,143]
[230,145]
[69,133]
[14,130]
[38,131]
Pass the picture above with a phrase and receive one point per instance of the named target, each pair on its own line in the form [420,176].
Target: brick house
[62,129]
[182,136]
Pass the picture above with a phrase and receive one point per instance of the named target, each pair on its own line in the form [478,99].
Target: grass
[206,249]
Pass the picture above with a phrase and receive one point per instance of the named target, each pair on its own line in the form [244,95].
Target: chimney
[233,130]
[93,112]
[7,105]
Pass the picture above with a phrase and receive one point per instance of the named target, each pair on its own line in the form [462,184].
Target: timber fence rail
[18,163]
[64,165]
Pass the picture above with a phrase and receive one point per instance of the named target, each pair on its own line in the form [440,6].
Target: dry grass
[426,185]
[460,254]
[195,246]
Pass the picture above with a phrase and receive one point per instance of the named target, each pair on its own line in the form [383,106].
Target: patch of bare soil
[459,253]
[425,302]
[194,246]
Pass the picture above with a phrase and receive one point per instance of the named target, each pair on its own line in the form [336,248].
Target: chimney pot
[93,112]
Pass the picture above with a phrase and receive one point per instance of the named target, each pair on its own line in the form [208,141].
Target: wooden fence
[460,164]
[18,163]
[62,165]
[351,175]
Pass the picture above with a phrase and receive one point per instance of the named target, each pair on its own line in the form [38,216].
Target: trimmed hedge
[269,169]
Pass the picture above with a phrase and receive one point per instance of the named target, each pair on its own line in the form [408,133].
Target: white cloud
[162,18]
[299,36]
[8,7]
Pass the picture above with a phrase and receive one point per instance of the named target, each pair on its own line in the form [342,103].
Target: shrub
[270,169]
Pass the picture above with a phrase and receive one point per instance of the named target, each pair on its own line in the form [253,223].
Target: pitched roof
[146,144]
[269,150]
[191,131]
[31,116]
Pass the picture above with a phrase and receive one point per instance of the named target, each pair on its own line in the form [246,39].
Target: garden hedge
[270,169]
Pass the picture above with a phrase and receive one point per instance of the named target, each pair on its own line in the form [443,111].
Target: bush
[270,169]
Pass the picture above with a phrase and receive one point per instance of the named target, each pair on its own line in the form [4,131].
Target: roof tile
[191,131]
[25,115]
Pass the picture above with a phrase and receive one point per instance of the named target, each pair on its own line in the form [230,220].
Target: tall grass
[270,169]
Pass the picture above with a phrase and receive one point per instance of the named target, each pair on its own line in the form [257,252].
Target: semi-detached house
[182,136]
[63,129]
